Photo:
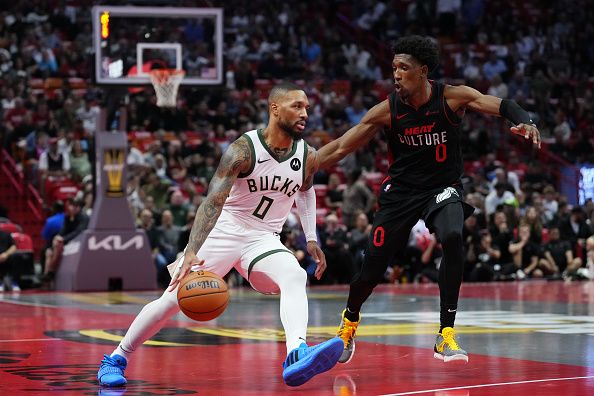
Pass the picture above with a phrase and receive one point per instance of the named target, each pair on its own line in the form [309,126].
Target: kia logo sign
[115,242]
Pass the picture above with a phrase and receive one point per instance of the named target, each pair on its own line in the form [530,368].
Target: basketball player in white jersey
[257,181]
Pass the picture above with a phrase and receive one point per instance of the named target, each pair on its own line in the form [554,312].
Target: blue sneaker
[304,362]
[111,371]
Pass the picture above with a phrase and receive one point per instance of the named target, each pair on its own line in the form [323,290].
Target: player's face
[409,75]
[292,115]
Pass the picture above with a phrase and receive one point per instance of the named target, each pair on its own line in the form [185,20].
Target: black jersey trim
[448,111]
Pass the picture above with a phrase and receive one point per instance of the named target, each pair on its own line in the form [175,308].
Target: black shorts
[399,210]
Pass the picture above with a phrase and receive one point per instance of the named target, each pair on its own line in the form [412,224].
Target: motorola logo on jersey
[295,164]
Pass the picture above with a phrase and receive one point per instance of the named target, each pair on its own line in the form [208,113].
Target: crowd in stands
[538,53]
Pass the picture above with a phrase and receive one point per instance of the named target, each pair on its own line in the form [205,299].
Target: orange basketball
[202,295]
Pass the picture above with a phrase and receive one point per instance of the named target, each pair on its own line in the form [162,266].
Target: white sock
[147,323]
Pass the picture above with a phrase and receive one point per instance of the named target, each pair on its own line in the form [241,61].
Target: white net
[166,83]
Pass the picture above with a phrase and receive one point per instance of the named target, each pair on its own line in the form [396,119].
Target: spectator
[146,223]
[334,242]
[356,110]
[575,230]
[356,197]
[80,166]
[52,163]
[53,225]
[533,219]
[486,256]
[8,274]
[493,66]
[357,239]
[168,236]
[333,199]
[526,255]
[550,204]
[499,196]
[178,208]
[75,222]
[560,255]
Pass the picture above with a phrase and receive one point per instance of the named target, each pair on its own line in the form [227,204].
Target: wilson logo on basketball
[203,285]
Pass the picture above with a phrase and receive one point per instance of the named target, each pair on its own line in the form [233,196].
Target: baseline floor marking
[488,385]
[33,340]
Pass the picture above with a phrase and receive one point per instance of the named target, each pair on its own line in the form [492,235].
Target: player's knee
[451,238]
[296,276]
[373,270]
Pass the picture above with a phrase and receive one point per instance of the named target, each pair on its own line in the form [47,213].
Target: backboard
[129,41]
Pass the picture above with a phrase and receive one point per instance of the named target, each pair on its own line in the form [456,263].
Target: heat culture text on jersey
[273,183]
[423,136]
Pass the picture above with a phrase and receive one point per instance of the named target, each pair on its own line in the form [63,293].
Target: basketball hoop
[166,83]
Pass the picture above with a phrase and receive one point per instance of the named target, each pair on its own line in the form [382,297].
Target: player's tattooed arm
[235,160]
[310,168]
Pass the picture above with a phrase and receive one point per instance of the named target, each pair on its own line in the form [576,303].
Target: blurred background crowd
[539,53]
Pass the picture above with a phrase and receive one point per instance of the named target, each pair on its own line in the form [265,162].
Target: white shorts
[230,245]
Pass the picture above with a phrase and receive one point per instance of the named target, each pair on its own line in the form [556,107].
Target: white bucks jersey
[263,197]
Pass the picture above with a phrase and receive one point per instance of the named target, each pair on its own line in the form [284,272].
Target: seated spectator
[333,198]
[357,239]
[178,208]
[184,235]
[334,244]
[51,228]
[575,230]
[499,196]
[550,203]
[8,274]
[502,236]
[168,236]
[527,256]
[75,222]
[52,164]
[356,197]
[80,166]
[532,218]
[146,223]
[430,258]
[560,255]
[486,257]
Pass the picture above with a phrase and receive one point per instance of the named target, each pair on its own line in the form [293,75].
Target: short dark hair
[281,89]
[423,49]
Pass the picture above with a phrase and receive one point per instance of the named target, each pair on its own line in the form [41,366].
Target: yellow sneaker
[347,332]
[447,349]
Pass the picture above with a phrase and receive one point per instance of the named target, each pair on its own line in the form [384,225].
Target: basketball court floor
[529,338]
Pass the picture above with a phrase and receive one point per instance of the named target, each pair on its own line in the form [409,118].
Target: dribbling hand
[183,269]
[316,253]
[528,131]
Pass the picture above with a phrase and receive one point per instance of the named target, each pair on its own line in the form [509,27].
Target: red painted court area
[48,347]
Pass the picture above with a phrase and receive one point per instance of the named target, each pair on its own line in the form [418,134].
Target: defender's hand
[528,131]
[316,253]
[183,269]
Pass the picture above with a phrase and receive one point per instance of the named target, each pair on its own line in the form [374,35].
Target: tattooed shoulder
[237,158]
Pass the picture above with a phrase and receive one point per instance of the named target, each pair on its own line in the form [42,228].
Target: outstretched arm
[235,160]
[305,201]
[462,96]
[374,120]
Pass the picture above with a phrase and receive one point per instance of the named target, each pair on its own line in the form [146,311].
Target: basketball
[202,295]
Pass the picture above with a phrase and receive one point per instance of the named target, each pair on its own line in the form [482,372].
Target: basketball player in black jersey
[421,119]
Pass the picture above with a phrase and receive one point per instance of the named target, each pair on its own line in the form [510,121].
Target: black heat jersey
[424,143]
